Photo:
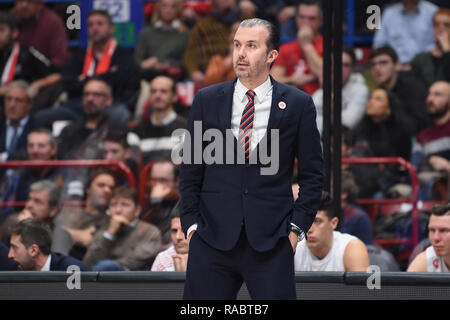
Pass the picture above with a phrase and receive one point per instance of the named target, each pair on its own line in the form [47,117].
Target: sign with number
[118,9]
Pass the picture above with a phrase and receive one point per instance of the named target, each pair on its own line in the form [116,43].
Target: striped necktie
[246,127]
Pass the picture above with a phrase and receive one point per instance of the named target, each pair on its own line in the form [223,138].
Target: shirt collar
[167,120]
[46,266]
[21,122]
[134,223]
[175,24]
[260,92]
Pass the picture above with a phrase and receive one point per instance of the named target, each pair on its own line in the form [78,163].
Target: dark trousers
[213,274]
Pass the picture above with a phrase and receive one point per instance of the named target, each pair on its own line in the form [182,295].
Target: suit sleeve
[310,168]
[191,174]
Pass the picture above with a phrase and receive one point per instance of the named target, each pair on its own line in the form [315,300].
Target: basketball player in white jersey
[435,258]
[329,250]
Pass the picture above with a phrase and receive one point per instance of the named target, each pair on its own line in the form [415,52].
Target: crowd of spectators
[108,102]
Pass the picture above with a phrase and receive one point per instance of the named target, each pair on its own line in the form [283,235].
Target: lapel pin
[282,105]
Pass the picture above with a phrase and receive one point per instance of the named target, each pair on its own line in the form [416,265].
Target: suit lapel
[276,113]
[225,104]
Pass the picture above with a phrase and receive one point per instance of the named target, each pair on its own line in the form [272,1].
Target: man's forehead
[442,221]
[251,34]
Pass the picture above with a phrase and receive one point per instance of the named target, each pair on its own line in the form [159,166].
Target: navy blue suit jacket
[221,197]
[60,262]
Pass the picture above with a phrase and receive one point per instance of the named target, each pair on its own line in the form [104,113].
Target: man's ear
[272,56]
[33,250]
[53,211]
[334,222]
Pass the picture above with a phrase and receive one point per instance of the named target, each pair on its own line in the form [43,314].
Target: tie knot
[250,94]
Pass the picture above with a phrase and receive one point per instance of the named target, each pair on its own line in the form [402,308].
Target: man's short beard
[439,114]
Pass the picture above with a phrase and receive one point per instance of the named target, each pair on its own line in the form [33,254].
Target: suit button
[247,165]
[245,191]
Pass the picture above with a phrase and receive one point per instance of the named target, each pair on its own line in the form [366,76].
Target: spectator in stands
[42,204]
[407,27]
[434,65]
[82,138]
[18,123]
[435,258]
[175,257]
[388,133]
[209,37]
[163,181]
[328,250]
[20,62]
[31,241]
[263,9]
[41,146]
[431,149]
[42,29]
[77,225]
[103,58]
[356,220]
[220,68]
[124,242]
[385,127]
[161,45]
[6,264]
[116,148]
[355,93]
[154,137]
[410,91]
[300,61]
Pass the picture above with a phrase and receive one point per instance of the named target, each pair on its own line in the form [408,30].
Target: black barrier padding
[401,279]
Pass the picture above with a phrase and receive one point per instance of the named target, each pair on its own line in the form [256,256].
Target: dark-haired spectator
[356,220]
[209,37]
[19,62]
[42,204]
[385,127]
[434,65]
[154,136]
[300,61]
[166,28]
[18,122]
[388,132]
[77,225]
[355,93]
[410,91]
[31,241]
[42,29]
[435,258]
[162,183]
[407,27]
[105,59]
[124,242]
[325,249]
[6,264]
[116,148]
[175,257]
[431,149]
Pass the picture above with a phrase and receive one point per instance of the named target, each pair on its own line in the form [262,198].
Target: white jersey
[434,262]
[334,261]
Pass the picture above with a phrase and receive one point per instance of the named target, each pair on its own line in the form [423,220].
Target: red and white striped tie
[246,127]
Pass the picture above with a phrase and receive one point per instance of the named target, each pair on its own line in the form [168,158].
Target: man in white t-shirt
[327,250]
[175,257]
[435,258]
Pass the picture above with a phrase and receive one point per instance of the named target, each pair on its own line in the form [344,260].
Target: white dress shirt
[46,266]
